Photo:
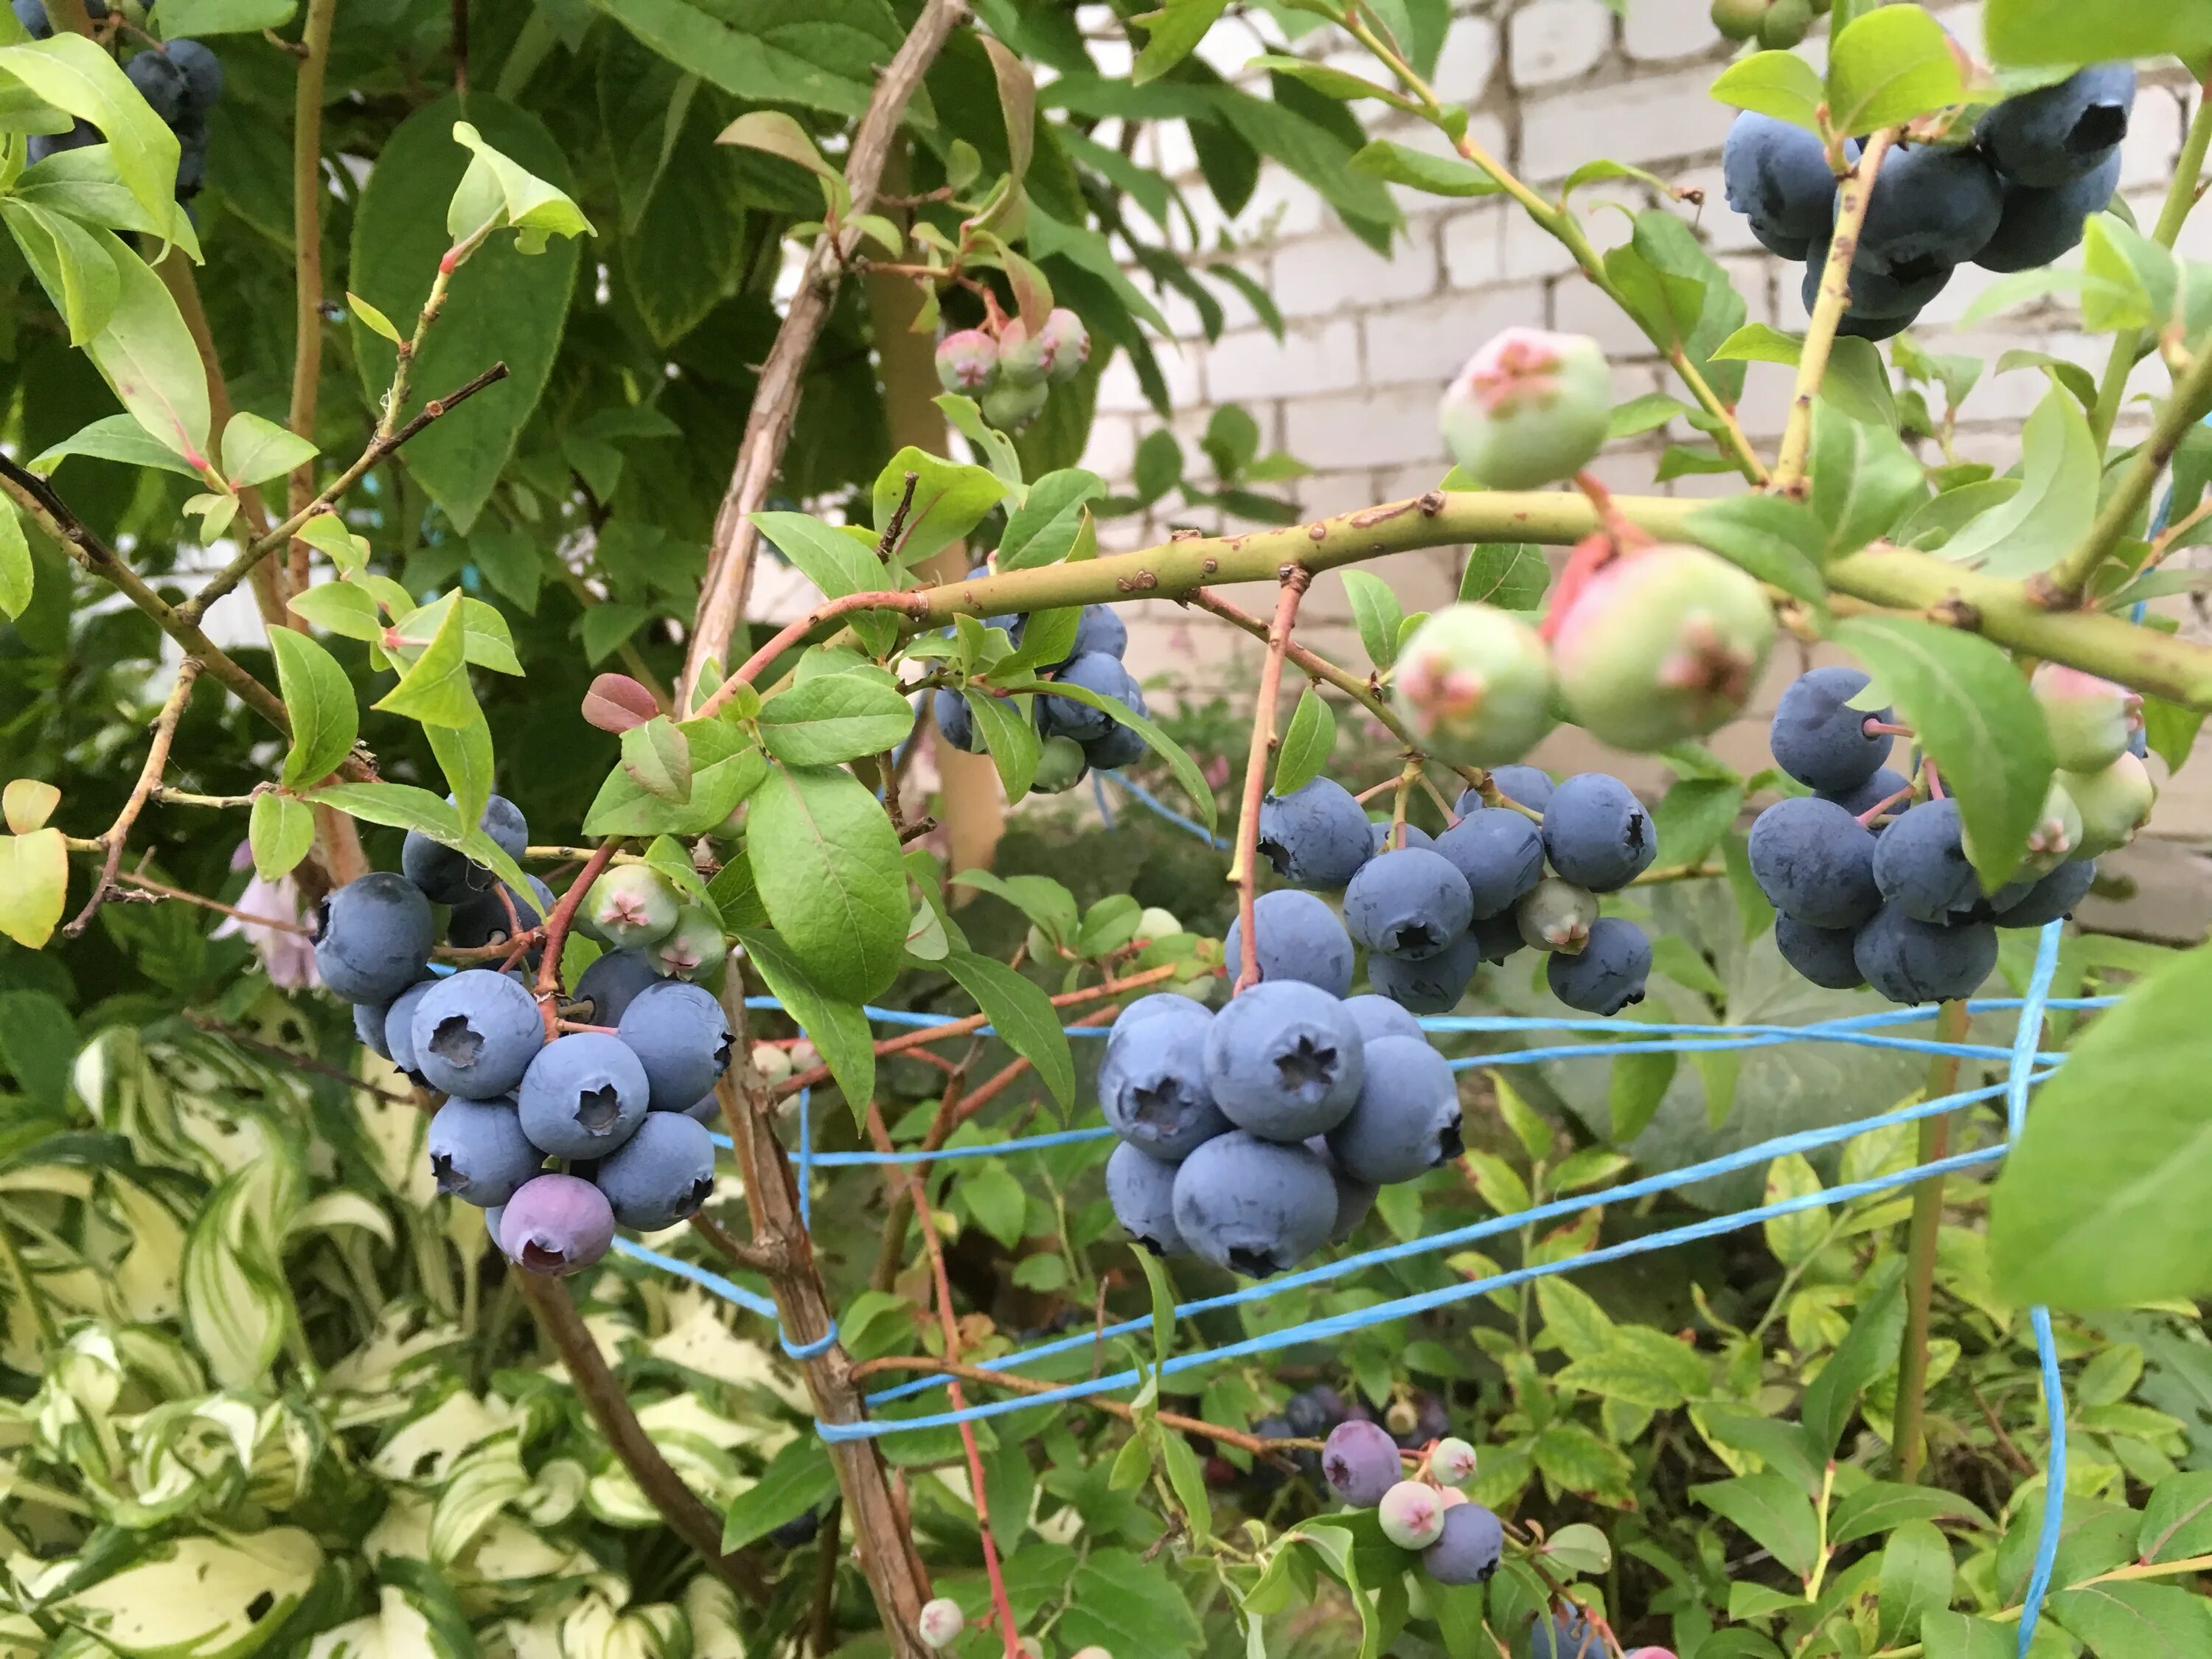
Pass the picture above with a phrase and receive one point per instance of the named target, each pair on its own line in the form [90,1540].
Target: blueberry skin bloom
[1814,862]
[556,1223]
[1607,974]
[1819,741]
[474,1034]
[1316,836]
[1499,852]
[1920,864]
[1299,938]
[682,1039]
[1406,1121]
[1433,986]
[1911,961]
[1597,833]
[2055,135]
[373,937]
[1411,903]
[1284,1062]
[1823,955]
[1777,176]
[583,1096]
[478,1153]
[1252,1206]
[1154,1090]
[663,1173]
[1142,1191]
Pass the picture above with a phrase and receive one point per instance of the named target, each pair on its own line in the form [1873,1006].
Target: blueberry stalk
[1244,868]
[1827,311]
[149,778]
[308,191]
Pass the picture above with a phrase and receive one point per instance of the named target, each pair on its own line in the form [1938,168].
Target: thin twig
[297,1061]
[150,775]
[915,605]
[556,933]
[887,544]
[1244,867]
[307,194]
[1827,311]
[161,888]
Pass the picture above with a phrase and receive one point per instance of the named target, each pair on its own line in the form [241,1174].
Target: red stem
[556,932]
[1882,805]
[916,604]
[1245,870]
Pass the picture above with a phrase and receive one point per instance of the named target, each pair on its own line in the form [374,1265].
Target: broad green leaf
[1693,815]
[2055,503]
[279,830]
[2126,1620]
[837,563]
[950,499]
[1889,66]
[1419,169]
[2177,1521]
[1010,735]
[2131,279]
[326,719]
[83,185]
[255,451]
[1041,899]
[188,19]
[114,438]
[1933,524]
[1869,1351]
[1128,1605]
[1177,758]
[775,133]
[725,768]
[1878,1506]
[1917,1575]
[1511,575]
[826,860]
[1048,525]
[1770,1509]
[1948,1634]
[1858,383]
[502,305]
[833,718]
[77,273]
[1794,1237]
[340,608]
[1171,34]
[1863,478]
[1634,1088]
[1974,716]
[498,192]
[966,418]
[1023,1015]
[76,74]
[1306,744]
[2095,1206]
[837,1028]
[1646,414]
[822,58]
[1325,78]
[435,689]
[16,568]
[146,354]
[798,1482]
[1376,614]
[464,754]
[1776,83]
[1761,342]
[1775,538]
[34,883]
[403,806]
[2060,31]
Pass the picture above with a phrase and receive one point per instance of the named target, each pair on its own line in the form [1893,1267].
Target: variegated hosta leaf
[425,1450]
[211,1597]
[340,1209]
[479,1486]
[699,1338]
[236,1301]
[554,1494]
[402,1531]
[401,1351]
[397,1630]
[655,1630]
[712,1607]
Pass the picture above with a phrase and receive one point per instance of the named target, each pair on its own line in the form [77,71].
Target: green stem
[1909,1436]
[1827,312]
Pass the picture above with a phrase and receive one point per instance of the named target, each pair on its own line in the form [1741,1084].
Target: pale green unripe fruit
[1023,360]
[1660,646]
[1474,685]
[1066,343]
[1411,1515]
[634,906]
[1738,19]
[940,1624]
[1452,1462]
[967,362]
[1060,766]
[1785,24]
[1010,407]
[1556,915]
[2114,803]
[694,946]
[774,1064]
[2056,835]
[1155,924]
[1530,407]
[2090,719]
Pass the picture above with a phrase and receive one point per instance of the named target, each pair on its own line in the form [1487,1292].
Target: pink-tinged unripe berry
[2114,803]
[1530,407]
[967,362]
[556,1224]
[1661,645]
[1066,346]
[1031,1647]
[1474,684]
[695,945]
[2090,719]
[633,906]
[1411,1515]
[2056,832]
[1650,1653]
[1010,407]
[1021,359]
[1092,1652]
[1452,1496]
[1556,915]
[1452,1462]
[940,1623]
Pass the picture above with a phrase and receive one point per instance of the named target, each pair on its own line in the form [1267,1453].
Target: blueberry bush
[435,913]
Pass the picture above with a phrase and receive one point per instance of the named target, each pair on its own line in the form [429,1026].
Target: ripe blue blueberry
[474,1034]
[445,874]
[1607,974]
[1411,903]
[556,1223]
[583,1096]
[1498,937]
[373,937]
[1159,1005]
[2040,226]
[1360,1462]
[1934,206]
[1381,1016]
[2057,134]
[491,918]
[1911,961]
[663,1173]
[1525,786]
[1387,836]
[1142,1192]
[1814,861]
[1920,864]
[1431,987]
[1153,1091]
[1254,1206]
[1823,955]
[1316,836]
[399,1029]
[612,982]
[202,72]
[1567,1633]
[1820,741]
[159,82]
[2054,896]
[1777,176]
[1884,785]
[1299,938]
[369,1026]
[954,722]
[707,1109]
[1469,1548]
[1597,833]
[478,1153]
[682,1039]
[1100,630]
[1876,294]
[1283,1061]
[494,1219]
[1122,745]
[1354,1198]
[1499,852]
[1406,1121]
[1098,672]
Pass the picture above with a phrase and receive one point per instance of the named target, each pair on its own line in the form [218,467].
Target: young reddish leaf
[616,703]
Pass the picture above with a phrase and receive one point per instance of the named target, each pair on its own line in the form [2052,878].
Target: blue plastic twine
[2046,1349]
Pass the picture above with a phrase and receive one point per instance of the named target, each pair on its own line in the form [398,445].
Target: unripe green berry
[1411,1515]
[1022,361]
[967,362]
[1785,24]
[2056,835]
[1157,924]
[1452,1462]
[1530,407]
[1738,19]
[1066,346]
[773,1063]
[1660,646]
[1010,407]
[693,947]
[1556,915]
[2114,803]
[633,906]
[1475,685]
[2090,719]
[1060,766]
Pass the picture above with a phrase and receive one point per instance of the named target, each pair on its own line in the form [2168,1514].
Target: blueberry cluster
[621,1101]
[2015,197]
[1432,911]
[1871,876]
[180,80]
[1253,1137]
[1076,736]
[1014,371]
[1458,1540]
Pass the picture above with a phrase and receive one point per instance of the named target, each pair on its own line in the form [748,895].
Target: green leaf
[1011,736]
[498,193]
[837,563]
[502,305]
[2177,1521]
[76,74]
[775,133]
[1973,714]
[1178,760]
[2128,1620]
[2096,1207]
[1761,342]
[1958,1635]
[1794,1237]
[255,451]
[725,768]
[1869,1351]
[657,757]
[1306,745]
[1633,1091]
[1127,1605]
[2055,503]
[435,689]
[1916,1580]
[320,700]
[798,1480]
[1693,815]
[1040,898]
[34,883]
[1879,1505]
[77,273]
[836,1027]
[114,438]
[1171,34]
[826,860]
[2131,281]
[340,608]
[1776,83]
[833,718]
[2059,31]
[464,754]
[146,354]
[1863,478]
[1376,614]
[1325,78]
[1511,575]
[190,19]
[16,568]
[403,806]
[1162,1298]
[1049,524]
[1889,66]
[1023,1015]
[1419,169]
[950,499]
[1775,538]
[1858,383]
[1770,1508]
[820,56]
